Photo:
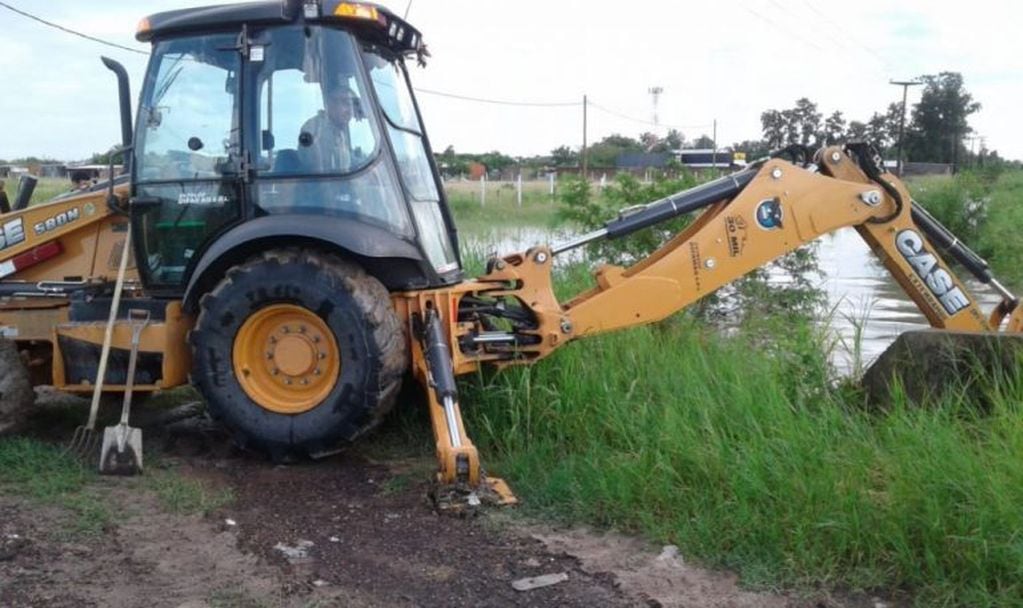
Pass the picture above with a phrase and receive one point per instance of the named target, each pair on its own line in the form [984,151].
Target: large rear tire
[298,352]
[16,394]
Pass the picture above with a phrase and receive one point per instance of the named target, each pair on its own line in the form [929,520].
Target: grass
[745,455]
[47,476]
[983,210]
[185,495]
[501,207]
[44,474]
[47,188]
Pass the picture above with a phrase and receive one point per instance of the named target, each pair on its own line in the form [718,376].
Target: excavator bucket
[924,365]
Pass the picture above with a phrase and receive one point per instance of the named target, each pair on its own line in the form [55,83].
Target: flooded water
[868,309]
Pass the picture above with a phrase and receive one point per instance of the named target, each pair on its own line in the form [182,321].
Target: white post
[550,178]
[483,189]
[520,188]
[603,181]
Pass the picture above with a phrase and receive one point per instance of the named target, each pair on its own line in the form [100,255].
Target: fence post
[483,189]
[519,185]
[550,178]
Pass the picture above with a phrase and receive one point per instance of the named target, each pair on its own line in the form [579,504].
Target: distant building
[477,170]
[708,158]
[642,160]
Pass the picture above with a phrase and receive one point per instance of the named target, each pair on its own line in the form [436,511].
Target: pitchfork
[85,441]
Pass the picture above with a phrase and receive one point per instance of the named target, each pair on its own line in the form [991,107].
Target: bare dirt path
[343,532]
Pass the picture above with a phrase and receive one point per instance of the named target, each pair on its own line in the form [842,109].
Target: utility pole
[714,161]
[655,92]
[586,153]
[905,84]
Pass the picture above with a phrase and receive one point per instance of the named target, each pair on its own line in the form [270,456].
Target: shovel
[121,453]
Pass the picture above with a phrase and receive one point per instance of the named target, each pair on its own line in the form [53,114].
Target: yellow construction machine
[292,252]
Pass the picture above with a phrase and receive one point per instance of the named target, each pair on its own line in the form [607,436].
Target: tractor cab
[293,123]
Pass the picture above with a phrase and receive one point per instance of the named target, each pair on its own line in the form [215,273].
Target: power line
[645,122]
[501,102]
[71,31]
[838,27]
[779,27]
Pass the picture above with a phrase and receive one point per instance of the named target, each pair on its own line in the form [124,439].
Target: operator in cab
[324,143]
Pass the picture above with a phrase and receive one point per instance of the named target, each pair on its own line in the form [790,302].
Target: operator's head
[339,102]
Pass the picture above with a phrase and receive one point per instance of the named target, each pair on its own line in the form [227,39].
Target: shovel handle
[138,318]
[108,335]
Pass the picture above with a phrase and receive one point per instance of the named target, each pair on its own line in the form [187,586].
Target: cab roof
[372,22]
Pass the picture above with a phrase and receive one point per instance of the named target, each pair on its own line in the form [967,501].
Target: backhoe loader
[296,262]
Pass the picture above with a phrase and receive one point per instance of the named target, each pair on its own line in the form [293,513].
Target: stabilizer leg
[461,482]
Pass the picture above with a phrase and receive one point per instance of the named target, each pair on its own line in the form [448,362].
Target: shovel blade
[121,453]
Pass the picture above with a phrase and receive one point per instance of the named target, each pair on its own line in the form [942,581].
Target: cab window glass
[187,119]
[313,111]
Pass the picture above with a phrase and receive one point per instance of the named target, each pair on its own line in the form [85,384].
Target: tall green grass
[741,451]
[985,210]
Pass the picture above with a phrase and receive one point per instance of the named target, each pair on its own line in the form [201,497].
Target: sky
[725,61]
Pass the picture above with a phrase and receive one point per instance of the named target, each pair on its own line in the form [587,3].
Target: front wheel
[298,352]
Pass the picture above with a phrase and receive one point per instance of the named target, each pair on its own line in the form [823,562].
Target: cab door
[187,168]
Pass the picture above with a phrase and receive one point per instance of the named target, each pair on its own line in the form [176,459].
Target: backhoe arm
[750,218]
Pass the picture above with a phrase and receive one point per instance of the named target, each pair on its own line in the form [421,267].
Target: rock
[532,562]
[537,582]
[298,552]
[334,539]
[320,583]
[230,522]
[669,553]
[11,545]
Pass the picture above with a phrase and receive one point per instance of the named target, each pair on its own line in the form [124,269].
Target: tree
[703,142]
[674,140]
[775,129]
[857,131]
[605,152]
[834,128]
[940,119]
[563,156]
[800,124]
[649,141]
[753,149]
[103,158]
[806,121]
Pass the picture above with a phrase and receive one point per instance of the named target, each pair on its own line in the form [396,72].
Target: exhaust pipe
[124,96]
[26,186]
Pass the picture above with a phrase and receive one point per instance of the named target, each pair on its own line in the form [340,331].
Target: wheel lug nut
[317,372]
[285,329]
[269,355]
[323,355]
[287,381]
[275,371]
[301,329]
[305,380]
[316,339]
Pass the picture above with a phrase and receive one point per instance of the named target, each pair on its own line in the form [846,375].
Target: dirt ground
[347,531]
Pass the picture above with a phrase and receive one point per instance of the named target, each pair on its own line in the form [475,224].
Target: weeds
[742,450]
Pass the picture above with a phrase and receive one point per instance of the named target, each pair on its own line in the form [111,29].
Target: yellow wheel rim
[286,359]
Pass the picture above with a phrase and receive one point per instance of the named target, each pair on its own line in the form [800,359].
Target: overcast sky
[726,60]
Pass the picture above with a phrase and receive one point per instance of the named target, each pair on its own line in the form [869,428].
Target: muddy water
[867,308]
